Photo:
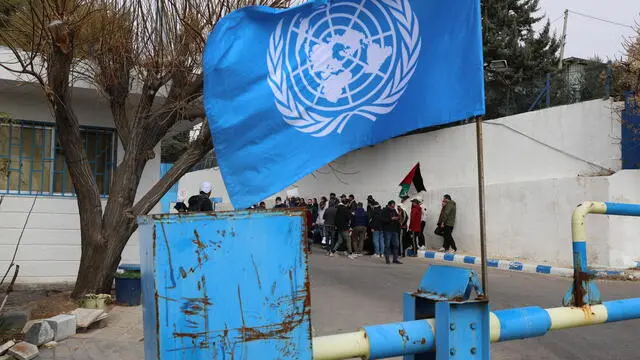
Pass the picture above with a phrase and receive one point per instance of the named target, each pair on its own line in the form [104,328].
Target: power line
[601,19]
[559,17]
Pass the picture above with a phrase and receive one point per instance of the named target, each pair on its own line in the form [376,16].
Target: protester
[180,205]
[415,225]
[314,209]
[322,207]
[343,216]
[421,240]
[391,228]
[279,203]
[329,217]
[353,205]
[359,222]
[403,236]
[370,204]
[201,202]
[309,225]
[447,221]
[377,232]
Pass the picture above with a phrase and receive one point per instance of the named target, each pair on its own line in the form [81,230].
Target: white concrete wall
[538,167]
[624,232]
[50,248]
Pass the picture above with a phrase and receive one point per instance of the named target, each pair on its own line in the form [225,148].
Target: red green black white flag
[412,184]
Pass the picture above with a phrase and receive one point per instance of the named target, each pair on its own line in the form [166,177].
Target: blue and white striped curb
[511,265]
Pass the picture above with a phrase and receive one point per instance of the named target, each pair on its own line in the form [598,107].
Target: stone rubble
[39,333]
[24,351]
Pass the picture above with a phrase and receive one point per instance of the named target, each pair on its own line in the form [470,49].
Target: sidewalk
[120,339]
[512,265]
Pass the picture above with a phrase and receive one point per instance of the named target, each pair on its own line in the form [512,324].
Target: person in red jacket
[415,224]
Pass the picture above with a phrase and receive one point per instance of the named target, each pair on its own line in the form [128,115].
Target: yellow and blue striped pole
[418,336]
[584,291]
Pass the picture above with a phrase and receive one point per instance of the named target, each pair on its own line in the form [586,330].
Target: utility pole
[564,38]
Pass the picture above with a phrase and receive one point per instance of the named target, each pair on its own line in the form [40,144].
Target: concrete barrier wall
[538,167]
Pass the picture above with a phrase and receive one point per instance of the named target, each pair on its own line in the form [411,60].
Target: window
[32,161]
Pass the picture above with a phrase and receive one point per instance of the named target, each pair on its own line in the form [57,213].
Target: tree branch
[196,151]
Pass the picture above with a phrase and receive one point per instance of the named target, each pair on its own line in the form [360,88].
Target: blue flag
[288,91]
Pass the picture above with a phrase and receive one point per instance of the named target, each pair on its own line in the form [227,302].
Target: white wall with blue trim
[50,248]
[538,167]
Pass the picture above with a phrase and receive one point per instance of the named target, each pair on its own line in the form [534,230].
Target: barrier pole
[510,324]
[583,291]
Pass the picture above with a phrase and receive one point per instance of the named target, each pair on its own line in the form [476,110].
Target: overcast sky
[587,37]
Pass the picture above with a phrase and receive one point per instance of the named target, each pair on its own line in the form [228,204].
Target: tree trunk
[93,270]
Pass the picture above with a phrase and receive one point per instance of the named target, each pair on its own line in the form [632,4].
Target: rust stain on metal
[158,296]
[588,313]
[203,300]
[197,240]
[404,336]
[282,330]
[186,335]
[183,273]
[579,278]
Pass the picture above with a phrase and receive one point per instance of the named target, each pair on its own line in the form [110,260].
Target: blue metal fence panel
[631,133]
[226,286]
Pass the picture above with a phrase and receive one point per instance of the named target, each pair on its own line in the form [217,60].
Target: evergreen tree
[173,146]
[508,27]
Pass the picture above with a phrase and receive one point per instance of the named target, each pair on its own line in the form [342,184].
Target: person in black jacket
[342,222]
[201,202]
[376,231]
[391,228]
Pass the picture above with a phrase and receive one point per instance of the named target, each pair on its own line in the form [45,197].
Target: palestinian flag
[412,184]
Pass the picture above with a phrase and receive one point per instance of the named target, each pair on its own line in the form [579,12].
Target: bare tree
[145,58]
[627,70]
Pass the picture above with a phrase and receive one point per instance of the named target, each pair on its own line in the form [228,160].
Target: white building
[33,174]
[538,167]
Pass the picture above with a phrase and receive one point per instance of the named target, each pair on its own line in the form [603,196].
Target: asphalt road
[347,294]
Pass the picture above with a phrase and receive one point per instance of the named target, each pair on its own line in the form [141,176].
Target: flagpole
[481,200]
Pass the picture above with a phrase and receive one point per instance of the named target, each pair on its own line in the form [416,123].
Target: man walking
[359,223]
[391,228]
[447,221]
[343,217]
[415,225]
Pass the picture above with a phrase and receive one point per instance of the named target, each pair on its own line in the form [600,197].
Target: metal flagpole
[481,198]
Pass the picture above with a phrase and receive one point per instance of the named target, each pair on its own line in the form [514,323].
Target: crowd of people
[343,224]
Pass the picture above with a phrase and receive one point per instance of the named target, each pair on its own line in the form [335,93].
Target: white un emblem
[341,61]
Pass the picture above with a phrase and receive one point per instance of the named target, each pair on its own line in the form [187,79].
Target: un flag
[287,91]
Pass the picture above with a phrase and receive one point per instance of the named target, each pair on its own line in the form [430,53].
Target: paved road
[347,294]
